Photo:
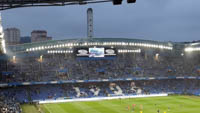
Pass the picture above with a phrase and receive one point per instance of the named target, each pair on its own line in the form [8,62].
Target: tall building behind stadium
[39,36]
[12,36]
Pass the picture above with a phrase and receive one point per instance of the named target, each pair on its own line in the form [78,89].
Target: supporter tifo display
[101,89]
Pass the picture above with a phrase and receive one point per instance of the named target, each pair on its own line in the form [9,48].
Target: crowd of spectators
[9,104]
[68,67]
[11,97]
[100,89]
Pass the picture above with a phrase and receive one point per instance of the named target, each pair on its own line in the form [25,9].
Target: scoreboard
[95,52]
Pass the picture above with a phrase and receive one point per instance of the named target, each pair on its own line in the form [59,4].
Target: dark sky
[162,20]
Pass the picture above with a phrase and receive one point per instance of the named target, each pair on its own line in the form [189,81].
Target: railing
[90,81]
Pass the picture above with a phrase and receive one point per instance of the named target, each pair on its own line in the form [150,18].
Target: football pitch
[170,104]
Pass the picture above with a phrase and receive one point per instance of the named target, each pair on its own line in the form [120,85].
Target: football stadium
[97,75]
[101,75]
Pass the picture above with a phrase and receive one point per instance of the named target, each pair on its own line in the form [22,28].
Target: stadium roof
[8,4]
[24,47]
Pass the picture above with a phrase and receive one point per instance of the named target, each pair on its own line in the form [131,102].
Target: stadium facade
[98,67]
[160,59]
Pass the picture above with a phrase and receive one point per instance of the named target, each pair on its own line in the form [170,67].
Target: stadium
[99,75]
[83,75]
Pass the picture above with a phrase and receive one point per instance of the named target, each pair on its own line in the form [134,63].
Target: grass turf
[177,104]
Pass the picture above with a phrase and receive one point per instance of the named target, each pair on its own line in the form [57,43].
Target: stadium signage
[110,52]
[82,52]
[95,52]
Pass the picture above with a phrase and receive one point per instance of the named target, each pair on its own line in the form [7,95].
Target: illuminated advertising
[95,52]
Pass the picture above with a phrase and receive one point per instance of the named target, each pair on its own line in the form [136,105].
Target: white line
[47,108]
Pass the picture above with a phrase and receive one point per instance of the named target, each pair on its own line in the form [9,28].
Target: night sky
[162,20]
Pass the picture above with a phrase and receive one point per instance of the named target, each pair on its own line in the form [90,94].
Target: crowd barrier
[91,81]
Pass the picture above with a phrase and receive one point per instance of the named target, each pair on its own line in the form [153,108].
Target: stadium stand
[85,90]
[69,69]
[61,67]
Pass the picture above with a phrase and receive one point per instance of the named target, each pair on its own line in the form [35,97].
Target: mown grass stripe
[84,107]
[70,108]
[102,107]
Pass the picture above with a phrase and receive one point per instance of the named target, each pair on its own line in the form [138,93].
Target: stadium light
[40,59]
[70,45]
[189,49]
[14,59]
[129,51]
[131,1]
[3,45]
[59,51]
[157,56]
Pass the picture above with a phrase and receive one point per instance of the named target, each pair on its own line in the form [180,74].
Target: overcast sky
[162,20]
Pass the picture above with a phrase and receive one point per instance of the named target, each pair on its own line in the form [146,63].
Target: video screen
[96,52]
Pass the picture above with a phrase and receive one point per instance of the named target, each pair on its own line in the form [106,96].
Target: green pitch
[170,104]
